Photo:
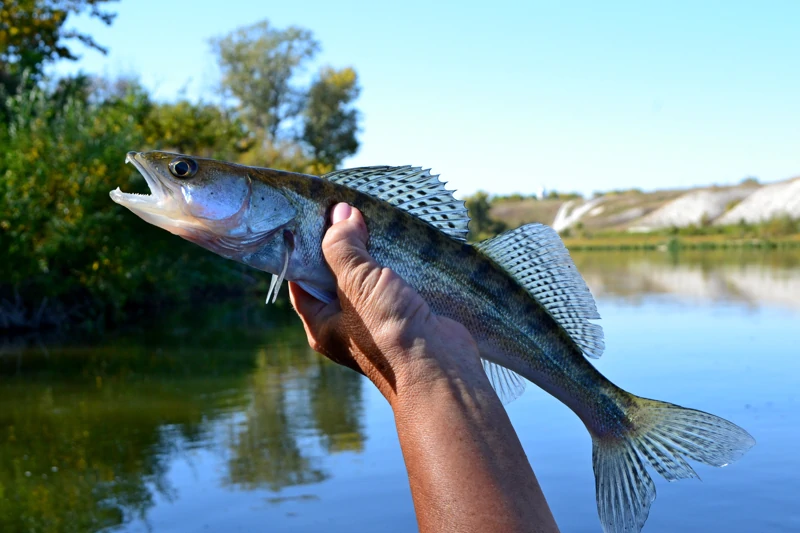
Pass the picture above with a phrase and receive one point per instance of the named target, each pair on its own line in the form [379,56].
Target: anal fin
[506,383]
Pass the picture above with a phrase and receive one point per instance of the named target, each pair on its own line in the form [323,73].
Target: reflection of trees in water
[336,406]
[265,451]
[287,400]
[74,462]
[87,433]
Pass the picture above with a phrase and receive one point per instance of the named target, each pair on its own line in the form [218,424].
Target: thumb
[345,250]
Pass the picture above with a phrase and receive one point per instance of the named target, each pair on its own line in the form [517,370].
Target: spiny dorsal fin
[536,258]
[411,189]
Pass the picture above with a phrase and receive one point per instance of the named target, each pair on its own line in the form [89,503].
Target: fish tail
[663,435]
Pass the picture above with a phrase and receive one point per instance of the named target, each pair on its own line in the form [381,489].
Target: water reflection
[752,278]
[91,431]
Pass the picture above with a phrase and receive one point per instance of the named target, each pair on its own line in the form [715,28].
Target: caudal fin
[663,435]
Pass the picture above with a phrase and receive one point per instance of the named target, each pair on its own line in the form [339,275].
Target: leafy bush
[69,253]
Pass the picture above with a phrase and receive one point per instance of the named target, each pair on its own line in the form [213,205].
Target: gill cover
[214,195]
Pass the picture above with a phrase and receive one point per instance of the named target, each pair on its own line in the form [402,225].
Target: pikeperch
[519,294]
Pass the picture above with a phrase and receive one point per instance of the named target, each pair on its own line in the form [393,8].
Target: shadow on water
[90,429]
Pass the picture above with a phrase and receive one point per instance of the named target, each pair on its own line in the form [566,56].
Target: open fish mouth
[160,207]
[159,201]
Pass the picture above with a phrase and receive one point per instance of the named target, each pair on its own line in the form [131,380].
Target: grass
[652,241]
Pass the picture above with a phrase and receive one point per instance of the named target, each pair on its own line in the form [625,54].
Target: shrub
[69,253]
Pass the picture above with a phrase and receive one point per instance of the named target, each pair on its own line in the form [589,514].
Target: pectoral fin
[277,279]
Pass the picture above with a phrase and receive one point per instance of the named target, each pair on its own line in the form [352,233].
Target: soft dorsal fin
[536,258]
[411,189]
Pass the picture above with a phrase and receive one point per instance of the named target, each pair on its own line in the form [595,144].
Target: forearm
[467,469]
[466,466]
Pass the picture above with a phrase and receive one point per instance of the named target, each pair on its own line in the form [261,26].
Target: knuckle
[360,288]
[341,257]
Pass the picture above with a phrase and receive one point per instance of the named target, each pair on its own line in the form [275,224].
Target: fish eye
[183,168]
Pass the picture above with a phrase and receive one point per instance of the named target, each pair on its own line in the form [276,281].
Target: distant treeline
[70,255]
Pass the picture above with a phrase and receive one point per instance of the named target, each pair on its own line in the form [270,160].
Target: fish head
[210,203]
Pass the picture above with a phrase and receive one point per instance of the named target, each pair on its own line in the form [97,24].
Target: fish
[519,294]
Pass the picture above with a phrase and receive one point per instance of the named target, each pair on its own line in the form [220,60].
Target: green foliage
[304,128]
[258,64]
[779,232]
[198,129]
[69,252]
[781,226]
[516,197]
[555,195]
[621,192]
[330,120]
[32,32]
[482,225]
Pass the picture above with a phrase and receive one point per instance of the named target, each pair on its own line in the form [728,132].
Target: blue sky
[511,96]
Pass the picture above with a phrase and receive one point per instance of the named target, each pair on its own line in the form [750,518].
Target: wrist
[430,380]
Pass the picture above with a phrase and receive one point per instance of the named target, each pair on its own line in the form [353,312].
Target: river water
[222,419]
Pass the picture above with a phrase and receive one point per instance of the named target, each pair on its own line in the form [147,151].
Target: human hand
[466,467]
[380,326]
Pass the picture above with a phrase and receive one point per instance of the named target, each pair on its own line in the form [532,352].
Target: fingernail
[340,212]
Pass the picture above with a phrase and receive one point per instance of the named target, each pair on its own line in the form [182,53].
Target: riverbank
[651,241]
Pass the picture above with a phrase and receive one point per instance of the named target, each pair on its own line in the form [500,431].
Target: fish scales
[518,294]
[501,316]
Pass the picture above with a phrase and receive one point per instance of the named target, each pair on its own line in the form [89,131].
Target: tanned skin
[466,466]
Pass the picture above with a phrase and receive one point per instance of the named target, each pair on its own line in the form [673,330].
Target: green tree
[330,120]
[199,129]
[258,64]
[68,252]
[482,225]
[33,32]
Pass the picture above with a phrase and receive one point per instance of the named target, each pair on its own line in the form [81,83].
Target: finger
[320,322]
[340,211]
[345,250]
[303,307]
[306,305]
[316,316]
[312,314]
[345,242]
